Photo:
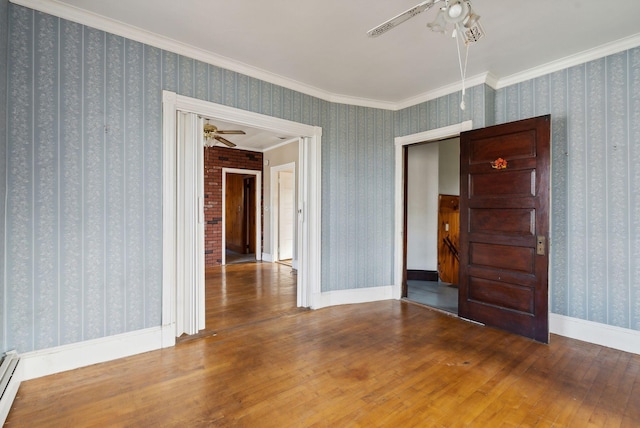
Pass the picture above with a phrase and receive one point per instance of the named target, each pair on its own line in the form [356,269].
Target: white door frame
[258,208]
[309,205]
[274,203]
[400,142]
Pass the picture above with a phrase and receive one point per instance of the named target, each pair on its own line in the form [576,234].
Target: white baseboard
[623,339]
[68,357]
[357,295]
[266,257]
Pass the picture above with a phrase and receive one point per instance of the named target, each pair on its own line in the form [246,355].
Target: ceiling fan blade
[231,131]
[224,141]
[399,19]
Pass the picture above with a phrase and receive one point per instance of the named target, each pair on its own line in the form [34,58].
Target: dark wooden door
[250,213]
[504,226]
[235,226]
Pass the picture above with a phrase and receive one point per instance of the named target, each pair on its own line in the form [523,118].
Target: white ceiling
[254,139]
[320,46]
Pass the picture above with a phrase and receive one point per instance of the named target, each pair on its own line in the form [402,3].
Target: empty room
[281,213]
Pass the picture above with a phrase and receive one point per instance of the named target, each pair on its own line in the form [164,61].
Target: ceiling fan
[458,13]
[213,134]
[455,12]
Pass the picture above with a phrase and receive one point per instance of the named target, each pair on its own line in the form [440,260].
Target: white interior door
[286,214]
[190,303]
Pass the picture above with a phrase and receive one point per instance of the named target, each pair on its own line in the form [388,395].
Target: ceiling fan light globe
[456,11]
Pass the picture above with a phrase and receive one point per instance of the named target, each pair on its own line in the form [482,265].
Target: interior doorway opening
[504,214]
[401,180]
[432,171]
[283,203]
[241,215]
[180,279]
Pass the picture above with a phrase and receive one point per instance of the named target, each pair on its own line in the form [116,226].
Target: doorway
[283,194]
[175,278]
[432,226]
[504,213]
[241,211]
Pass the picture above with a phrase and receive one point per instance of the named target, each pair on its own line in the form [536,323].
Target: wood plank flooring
[264,363]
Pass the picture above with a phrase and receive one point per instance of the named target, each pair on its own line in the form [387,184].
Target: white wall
[422,207]
[449,170]
[279,156]
[433,169]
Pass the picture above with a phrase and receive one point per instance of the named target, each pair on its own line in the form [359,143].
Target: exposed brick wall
[216,158]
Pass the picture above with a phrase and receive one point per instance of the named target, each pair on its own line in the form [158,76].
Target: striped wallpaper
[357,195]
[4,25]
[595,242]
[83,207]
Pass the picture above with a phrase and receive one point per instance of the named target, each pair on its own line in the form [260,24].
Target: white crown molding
[71,13]
[570,61]
[480,79]
[484,78]
[81,16]
[362,102]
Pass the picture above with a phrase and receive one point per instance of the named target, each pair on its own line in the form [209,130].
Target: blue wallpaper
[357,195]
[445,111]
[84,186]
[83,205]
[358,182]
[595,242]
[4,25]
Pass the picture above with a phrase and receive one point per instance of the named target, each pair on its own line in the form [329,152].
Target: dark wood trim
[421,275]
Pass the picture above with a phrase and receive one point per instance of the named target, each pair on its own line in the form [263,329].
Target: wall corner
[489,106]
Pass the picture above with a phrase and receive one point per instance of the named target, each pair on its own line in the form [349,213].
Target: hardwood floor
[390,363]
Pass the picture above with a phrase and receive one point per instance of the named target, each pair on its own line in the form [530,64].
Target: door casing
[400,146]
[309,213]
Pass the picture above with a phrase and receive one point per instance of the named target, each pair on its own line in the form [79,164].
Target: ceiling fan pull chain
[463,71]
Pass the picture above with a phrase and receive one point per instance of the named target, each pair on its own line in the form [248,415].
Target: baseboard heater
[9,383]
